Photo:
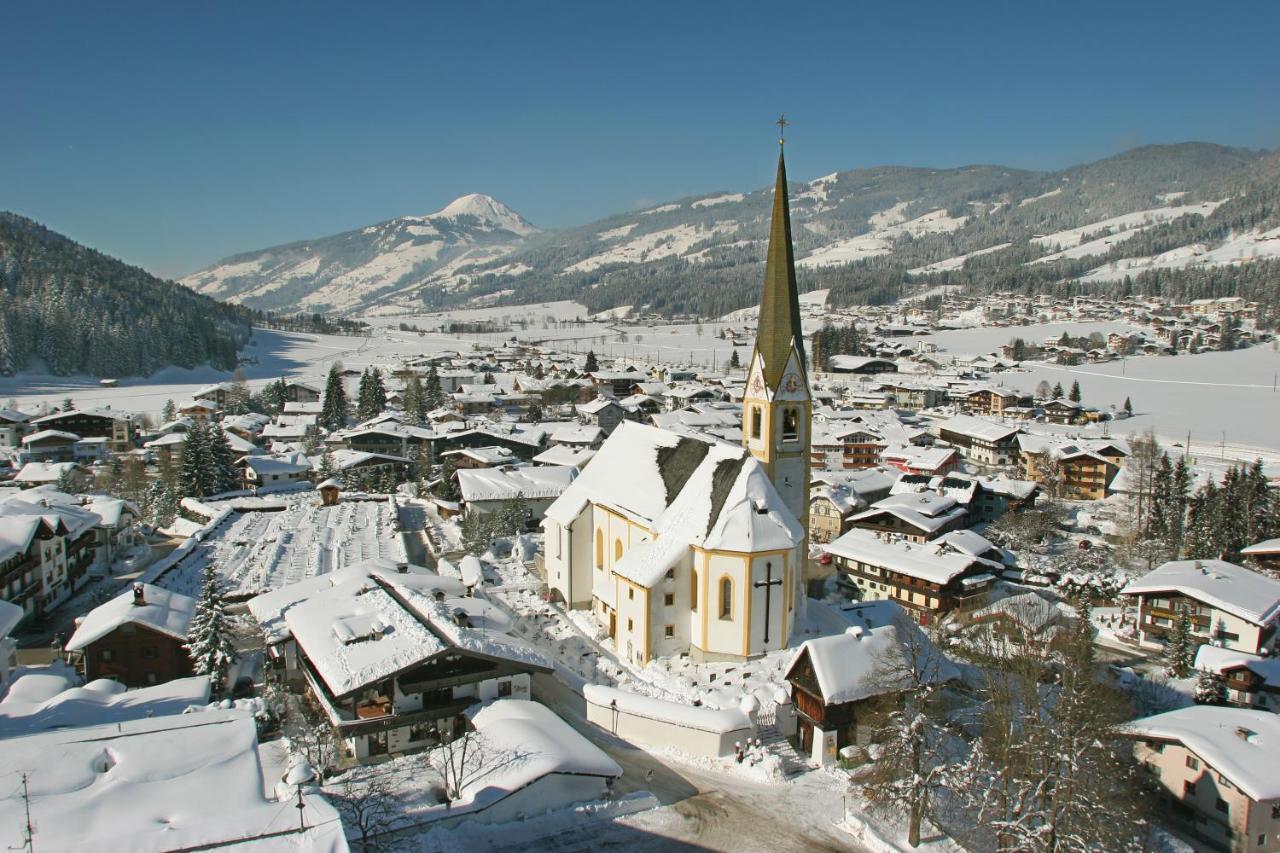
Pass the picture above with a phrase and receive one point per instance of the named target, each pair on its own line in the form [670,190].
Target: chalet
[981,441]
[1228,605]
[53,473]
[929,579]
[602,412]
[1249,680]
[928,461]
[481,457]
[13,425]
[92,423]
[914,396]
[198,410]
[615,383]
[1026,620]
[49,445]
[843,686]
[301,392]
[835,497]
[393,656]
[488,490]
[1069,470]
[1215,771]
[579,436]
[1063,412]
[136,638]
[917,516]
[283,470]
[44,549]
[351,462]
[1265,554]
[219,395]
[988,401]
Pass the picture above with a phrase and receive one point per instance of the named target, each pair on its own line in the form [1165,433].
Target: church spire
[779,327]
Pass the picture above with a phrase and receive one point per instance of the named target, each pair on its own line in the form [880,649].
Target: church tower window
[756,418]
[726,598]
[790,424]
[617,549]
[599,549]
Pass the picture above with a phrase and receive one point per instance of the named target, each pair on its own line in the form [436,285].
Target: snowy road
[703,809]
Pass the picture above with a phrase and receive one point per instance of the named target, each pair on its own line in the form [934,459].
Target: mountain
[358,269]
[80,311]
[1195,211]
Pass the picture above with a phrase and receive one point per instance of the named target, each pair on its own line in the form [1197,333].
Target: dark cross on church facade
[769,581]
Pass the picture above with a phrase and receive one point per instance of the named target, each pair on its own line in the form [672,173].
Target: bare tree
[316,743]
[467,758]
[913,760]
[367,805]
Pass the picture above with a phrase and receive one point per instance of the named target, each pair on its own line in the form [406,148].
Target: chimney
[1243,733]
[139,595]
[402,567]
[461,618]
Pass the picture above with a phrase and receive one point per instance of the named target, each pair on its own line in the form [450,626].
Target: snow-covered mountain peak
[488,210]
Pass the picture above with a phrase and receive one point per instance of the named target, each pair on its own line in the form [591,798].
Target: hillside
[1194,216]
[80,311]
[355,269]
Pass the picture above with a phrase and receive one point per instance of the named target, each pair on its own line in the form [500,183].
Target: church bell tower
[777,408]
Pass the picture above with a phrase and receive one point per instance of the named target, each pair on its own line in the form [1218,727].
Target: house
[843,686]
[917,516]
[1229,605]
[76,476]
[393,657]
[1250,681]
[1026,620]
[195,781]
[488,490]
[45,549]
[857,364]
[10,616]
[579,436]
[282,470]
[929,579]
[1215,770]
[117,427]
[50,445]
[835,497]
[301,392]
[198,410]
[1265,554]
[928,461]
[137,638]
[563,455]
[988,401]
[981,441]
[13,425]
[602,412]
[219,395]
[1068,469]
[1063,412]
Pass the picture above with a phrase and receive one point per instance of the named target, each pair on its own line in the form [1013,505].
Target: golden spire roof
[779,327]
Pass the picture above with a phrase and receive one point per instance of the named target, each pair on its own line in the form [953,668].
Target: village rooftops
[38,702]
[935,562]
[1241,744]
[1241,592]
[165,612]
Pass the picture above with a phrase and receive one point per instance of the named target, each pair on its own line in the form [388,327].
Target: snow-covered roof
[25,710]
[927,511]
[46,434]
[166,612]
[1027,609]
[492,455]
[562,454]
[576,434]
[44,472]
[690,491]
[1235,589]
[1241,744]
[861,661]
[183,781]
[1267,546]
[531,482]
[1217,659]
[10,615]
[680,713]
[978,428]
[931,561]
[599,404]
[290,463]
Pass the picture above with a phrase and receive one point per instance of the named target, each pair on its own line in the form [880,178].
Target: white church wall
[725,635]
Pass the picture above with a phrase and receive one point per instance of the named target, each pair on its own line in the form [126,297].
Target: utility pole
[29,831]
[302,817]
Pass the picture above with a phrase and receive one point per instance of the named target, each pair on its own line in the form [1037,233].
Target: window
[790,424]
[1221,805]
[671,574]
[630,625]
[599,549]
[631,593]
[558,538]
[756,418]
[106,656]
[152,678]
[669,599]
[693,590]
[150,653]
[669,631]
[1193,762]
[726,598]
[617,549]
[1188,789]
[504,688]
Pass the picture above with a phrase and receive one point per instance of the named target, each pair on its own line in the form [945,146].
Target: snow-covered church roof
[690,491]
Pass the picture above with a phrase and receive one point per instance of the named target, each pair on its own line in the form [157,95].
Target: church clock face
[791,383]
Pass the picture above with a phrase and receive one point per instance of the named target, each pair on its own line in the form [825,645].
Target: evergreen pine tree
[1128,406]
[168,411]
[433,394]
[1075,392]
[1180,649]
[734,361]
[223,460]
[327,468]
[333,411]
[1057,390]
[592,366]
[192,476]
[415,403]
[448,488]
[209,638]
[1209,689]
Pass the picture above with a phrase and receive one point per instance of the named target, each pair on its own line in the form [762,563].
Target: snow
[718,199]
[847,251]
[488,210]
[666,243]
[930,561]
[1240,248]
[956,262]
[617,233]
[548,744]
[166,612]
[1128,222]
[887,226]
[529,482]
[165,783]
[891,216]
[1242,592]
[1241,744]
[678,713]
[665,208]
[1050,194]
[28,710]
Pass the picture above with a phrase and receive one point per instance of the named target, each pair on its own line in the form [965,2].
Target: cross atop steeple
[782,129]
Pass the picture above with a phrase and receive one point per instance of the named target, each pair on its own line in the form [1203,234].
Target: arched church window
[599,549]
[726,598]
[756,418]
[790,424]
[617,549]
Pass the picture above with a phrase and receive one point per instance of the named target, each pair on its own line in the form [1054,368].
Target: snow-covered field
[258,551]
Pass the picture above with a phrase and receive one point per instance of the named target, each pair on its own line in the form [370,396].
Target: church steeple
[776,405]
[779,328]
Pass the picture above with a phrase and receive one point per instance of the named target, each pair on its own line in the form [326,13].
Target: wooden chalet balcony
[374,710]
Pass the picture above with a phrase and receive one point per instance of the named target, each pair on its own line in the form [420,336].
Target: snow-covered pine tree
[734,361]
[333,411]
[192,478]
[433,394]
[592,364]
[223,459]
[209,637]
[1180,649]
[414,400]
[1210,689]
[168,411]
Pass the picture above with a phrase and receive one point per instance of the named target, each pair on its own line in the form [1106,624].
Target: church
[684,544]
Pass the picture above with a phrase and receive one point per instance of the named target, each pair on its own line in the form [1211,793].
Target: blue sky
[174,134]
